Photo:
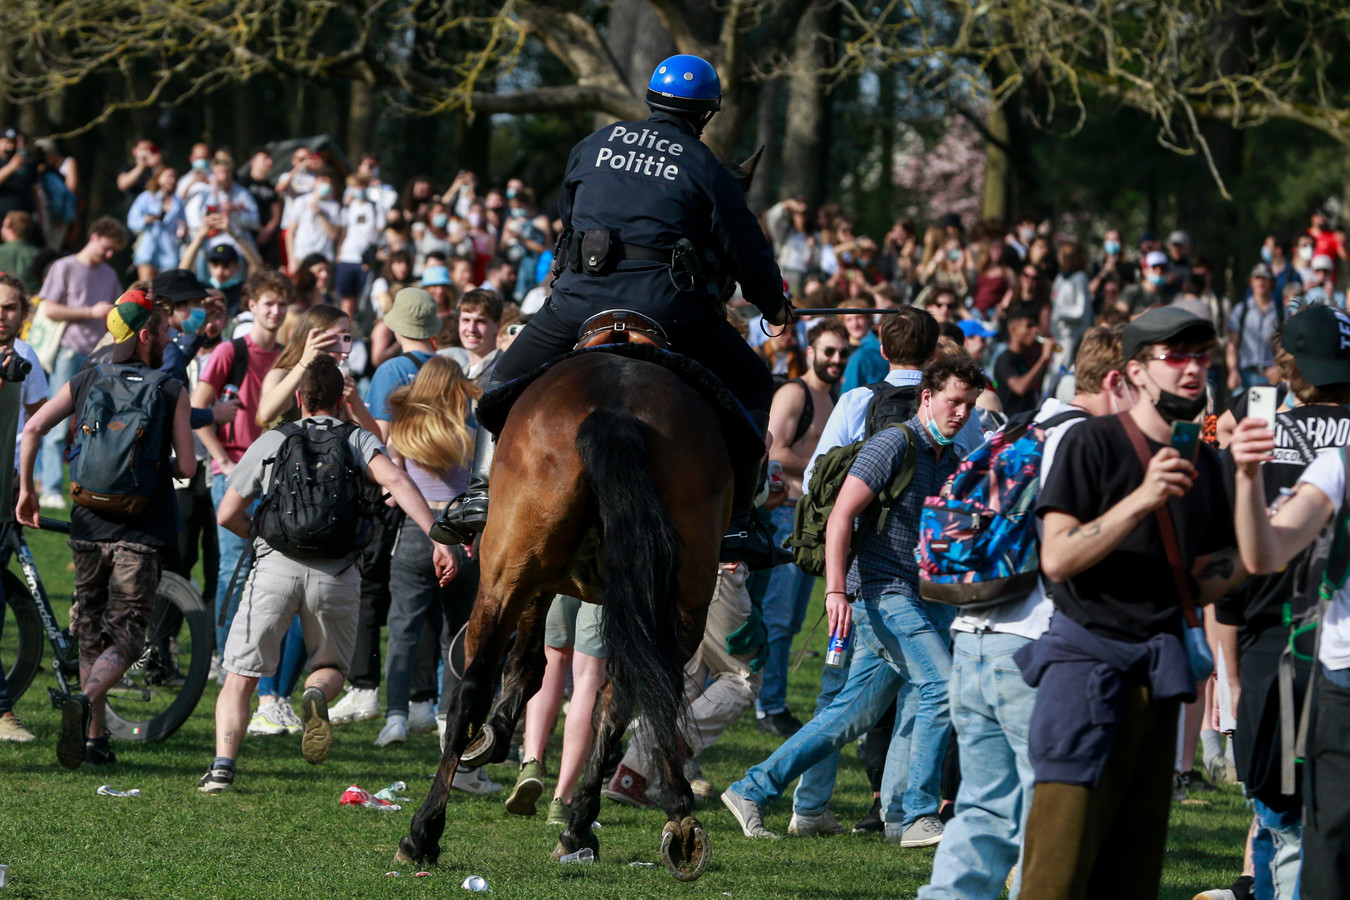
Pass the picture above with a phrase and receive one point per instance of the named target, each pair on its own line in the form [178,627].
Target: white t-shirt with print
[1327,474]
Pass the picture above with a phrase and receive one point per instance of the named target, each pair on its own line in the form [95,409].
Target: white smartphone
[1261,404]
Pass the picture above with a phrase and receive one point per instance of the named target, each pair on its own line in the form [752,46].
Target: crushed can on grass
[359,796]
[107,790]
[476,883]
[4,875]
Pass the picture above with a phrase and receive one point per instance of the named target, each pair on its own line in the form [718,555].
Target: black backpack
[319,505]
[890,405]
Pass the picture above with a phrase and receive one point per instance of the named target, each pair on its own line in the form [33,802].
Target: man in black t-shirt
[259,185]
[1020,370]
[116,558]
[1112,670]
[18,175]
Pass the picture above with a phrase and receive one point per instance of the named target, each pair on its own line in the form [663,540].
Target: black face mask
[1176,408]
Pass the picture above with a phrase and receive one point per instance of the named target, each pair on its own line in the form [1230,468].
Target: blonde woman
[433,431]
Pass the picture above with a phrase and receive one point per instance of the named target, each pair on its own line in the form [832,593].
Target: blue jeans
[817,783]
[51,459]
[785,600]
[895,639]
[232,547]
[293,655]
[991,712]
[419,592]
[1276,852]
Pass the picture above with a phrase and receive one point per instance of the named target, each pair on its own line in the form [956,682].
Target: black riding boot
[467,514]
[746,539]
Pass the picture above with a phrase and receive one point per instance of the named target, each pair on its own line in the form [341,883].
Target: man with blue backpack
[902,643]
[130,418]
[990,704]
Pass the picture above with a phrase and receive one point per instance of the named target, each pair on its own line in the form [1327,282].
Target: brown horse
[611,483]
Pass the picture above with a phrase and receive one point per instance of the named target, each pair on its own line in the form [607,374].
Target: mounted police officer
[647,213]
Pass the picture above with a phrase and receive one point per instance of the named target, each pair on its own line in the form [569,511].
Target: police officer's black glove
[784,314]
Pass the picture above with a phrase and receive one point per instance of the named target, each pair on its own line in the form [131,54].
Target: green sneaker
[529,785]
[558,812]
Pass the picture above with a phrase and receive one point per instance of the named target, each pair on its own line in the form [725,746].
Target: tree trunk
[807,133]
[995,203]
[360,120]
[764,190]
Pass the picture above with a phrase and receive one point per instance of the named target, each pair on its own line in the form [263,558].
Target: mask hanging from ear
[938,437]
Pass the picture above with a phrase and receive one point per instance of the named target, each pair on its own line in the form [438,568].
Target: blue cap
[435,275]
[684,84]
[976,328]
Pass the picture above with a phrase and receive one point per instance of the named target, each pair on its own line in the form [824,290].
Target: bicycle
[158,692]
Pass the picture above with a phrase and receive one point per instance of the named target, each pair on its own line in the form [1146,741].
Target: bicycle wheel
[21,636]
[159,692]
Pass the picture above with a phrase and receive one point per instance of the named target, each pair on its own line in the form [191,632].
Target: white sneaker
[925,831]
[422,716]
[357,705]
[474,781]
[395,731]
[52,501]
[268,720]
[804,826]
[288,716]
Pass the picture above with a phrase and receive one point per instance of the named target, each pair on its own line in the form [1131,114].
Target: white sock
[1209,740]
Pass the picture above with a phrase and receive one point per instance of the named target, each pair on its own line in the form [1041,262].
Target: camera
[16,369]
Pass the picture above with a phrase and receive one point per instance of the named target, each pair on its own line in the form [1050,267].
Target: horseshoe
[702,846]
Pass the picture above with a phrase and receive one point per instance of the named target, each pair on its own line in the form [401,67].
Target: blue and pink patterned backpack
[977,539]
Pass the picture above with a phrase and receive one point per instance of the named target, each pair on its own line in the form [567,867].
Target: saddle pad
[745,442]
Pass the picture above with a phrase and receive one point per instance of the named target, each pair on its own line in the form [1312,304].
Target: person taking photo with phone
[1126,520]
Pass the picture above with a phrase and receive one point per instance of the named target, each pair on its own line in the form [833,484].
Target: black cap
[223,253]
[178,286]
[1319,340]
[1168,325]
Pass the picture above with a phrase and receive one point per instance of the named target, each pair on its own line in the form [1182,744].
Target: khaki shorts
[571,623]
[277,591]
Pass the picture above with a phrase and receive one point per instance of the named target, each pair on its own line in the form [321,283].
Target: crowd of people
[1045,737]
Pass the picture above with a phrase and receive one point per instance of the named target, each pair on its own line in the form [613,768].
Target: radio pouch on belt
[595,251]
[562,249]
[684,261]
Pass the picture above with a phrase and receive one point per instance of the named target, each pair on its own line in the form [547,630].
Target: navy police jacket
[651,183]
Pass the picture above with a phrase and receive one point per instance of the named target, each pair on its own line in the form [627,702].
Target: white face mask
[1305,253]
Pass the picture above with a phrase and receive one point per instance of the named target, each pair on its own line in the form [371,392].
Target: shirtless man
[799,412]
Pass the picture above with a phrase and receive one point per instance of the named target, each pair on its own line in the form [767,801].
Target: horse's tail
[639,574]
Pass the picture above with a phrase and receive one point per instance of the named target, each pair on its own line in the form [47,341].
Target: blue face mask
[938,437]
[194,321]
[1266,256]
[228,282]
[323,189]
[510,194]
[200,164]
[1111,247]
[1156,280]
[518,212]
[438,220]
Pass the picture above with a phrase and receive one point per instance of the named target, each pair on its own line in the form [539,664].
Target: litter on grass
[476,883]
[359,796]
[107,790]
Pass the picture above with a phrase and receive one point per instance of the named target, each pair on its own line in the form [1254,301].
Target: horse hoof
[402,859]
[411,854]
[685,849]
[479,752]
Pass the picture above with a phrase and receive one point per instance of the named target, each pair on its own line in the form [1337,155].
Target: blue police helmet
[685,84]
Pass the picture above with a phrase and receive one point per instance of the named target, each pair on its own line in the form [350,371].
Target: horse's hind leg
[490,627]
[524,673]
[610,721]
[685,848]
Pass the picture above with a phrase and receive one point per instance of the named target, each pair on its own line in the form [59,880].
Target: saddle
[621,326]
[744,438]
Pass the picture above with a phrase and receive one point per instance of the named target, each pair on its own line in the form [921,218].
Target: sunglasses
[945,305]
[1179,360]
[841,352]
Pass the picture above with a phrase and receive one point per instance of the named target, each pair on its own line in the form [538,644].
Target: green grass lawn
[281,833]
